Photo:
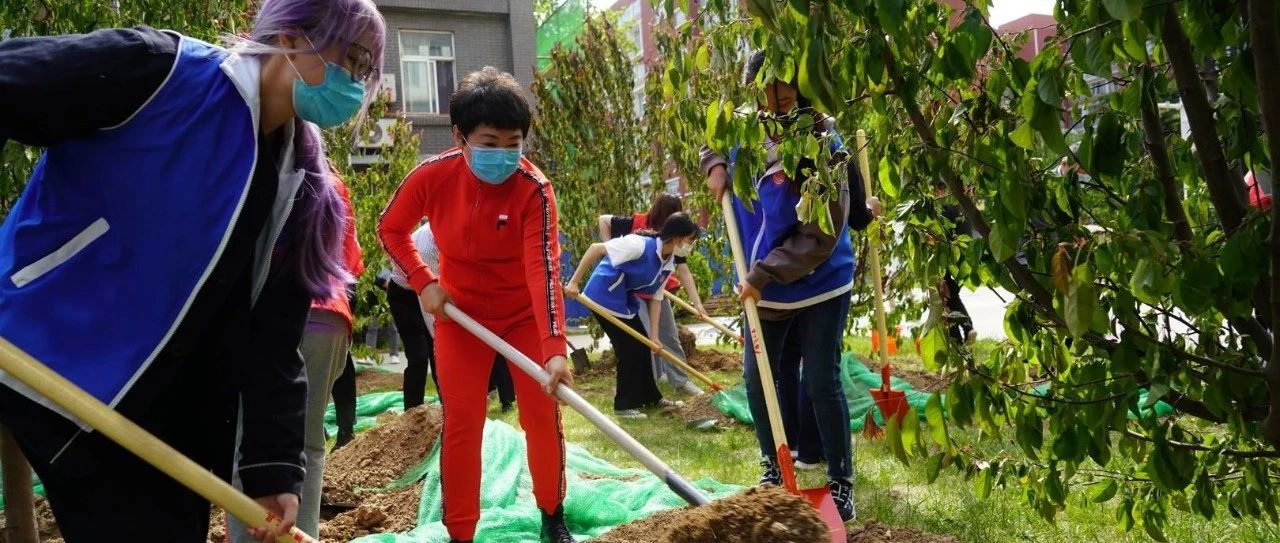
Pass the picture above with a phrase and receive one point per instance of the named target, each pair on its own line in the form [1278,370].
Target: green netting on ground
[361,367]
[368,407]
[859,381]
[600,495]
[858,384]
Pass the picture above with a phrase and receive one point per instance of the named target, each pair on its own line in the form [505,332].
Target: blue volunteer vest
[116,232]
[774,218]
[615,286]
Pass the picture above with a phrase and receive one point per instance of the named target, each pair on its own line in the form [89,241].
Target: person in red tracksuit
[493,214]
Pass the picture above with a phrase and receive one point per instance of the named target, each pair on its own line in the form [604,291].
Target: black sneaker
[771,476]
[842,494]
[459,541]
[554,527]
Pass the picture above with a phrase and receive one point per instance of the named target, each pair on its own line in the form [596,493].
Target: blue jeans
[797,408]
[819,329]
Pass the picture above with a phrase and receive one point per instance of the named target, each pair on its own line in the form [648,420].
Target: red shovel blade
[892,403]
[821,500]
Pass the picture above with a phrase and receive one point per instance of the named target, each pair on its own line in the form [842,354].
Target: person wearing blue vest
[167,247]
[632,277]
[799,275]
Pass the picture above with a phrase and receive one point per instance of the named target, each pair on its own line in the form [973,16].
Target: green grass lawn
[887,491]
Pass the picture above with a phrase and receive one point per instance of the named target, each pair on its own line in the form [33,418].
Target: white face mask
[682,250]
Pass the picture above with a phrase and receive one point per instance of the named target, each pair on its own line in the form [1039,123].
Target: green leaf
[933,348]
[933,467]
[972,37]
[893,437]
[911,437]
[1105,491]
[1024,136]
[891,13]
[1124,10]
[1143,282]
[714,130]
[937,426]
[703,61]
[1108,153]
[887,174]
[984,482]
[1081,301]
[1003,244]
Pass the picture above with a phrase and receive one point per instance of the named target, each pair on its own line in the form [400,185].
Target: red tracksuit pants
[463,363]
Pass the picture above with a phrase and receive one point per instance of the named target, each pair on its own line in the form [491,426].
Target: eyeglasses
[360,60]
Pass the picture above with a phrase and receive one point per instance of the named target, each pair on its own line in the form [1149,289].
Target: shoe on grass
[667,405]
[771,476]
[808,465]
[842,494]
[631,414]
[689,388]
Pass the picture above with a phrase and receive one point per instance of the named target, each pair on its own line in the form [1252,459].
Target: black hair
[755,63]
[664,205]
[489,96]
[678,225]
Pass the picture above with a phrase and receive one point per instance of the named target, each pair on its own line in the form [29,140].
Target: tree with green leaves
[1141,275]
[589,138]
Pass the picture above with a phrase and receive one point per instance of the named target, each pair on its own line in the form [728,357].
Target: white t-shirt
[425,242]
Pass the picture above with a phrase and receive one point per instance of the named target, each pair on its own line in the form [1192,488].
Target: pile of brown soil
[382,454]
[699,408]
[46,527]
[874,532]
[378,381]
[383,512]
[757,515]
[705,361]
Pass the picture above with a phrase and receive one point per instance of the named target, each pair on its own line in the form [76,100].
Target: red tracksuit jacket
[499,244]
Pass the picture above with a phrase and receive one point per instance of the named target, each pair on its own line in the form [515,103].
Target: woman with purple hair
[166,250]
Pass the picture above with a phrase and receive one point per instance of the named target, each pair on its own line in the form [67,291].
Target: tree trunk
[1226,192]
[19,504]
[1266,45]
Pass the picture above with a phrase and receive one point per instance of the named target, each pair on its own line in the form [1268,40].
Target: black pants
[344,399]
[101,492]
[958,327]
[500,380]
[419,349]
[635,388]
[798,418]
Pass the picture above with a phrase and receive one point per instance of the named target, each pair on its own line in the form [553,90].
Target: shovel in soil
[674,481]
[579,358]
[820,497]
[149,448]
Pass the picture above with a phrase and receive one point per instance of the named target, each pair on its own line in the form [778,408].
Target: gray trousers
[325,354]
[670,337]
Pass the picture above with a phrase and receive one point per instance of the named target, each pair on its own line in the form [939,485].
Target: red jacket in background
[351,256]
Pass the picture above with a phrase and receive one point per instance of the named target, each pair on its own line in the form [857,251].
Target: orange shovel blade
[821,500]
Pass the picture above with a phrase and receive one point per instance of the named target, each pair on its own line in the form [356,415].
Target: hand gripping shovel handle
[785,466]
[654,464]
[149,448]
[705,318]
[606,315]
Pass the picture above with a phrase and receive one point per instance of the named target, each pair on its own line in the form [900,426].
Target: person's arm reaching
[57,88]
[690,286]
[589,259]
[603,225]
[542,269]
[399,220]
[655,316]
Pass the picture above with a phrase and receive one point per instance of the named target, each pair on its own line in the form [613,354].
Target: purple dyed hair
[313,237]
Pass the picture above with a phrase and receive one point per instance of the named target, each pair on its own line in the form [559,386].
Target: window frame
[432,71]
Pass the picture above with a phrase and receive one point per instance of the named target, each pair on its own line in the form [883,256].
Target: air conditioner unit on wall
[377,135]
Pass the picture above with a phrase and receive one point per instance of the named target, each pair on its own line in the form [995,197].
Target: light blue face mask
[332,102]
[493,165]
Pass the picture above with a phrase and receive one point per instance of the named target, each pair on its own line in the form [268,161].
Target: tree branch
[1196,447]
[1153,133]
[1266,47]
[1041,299]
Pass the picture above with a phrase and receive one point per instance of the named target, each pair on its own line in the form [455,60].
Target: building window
[426,68]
